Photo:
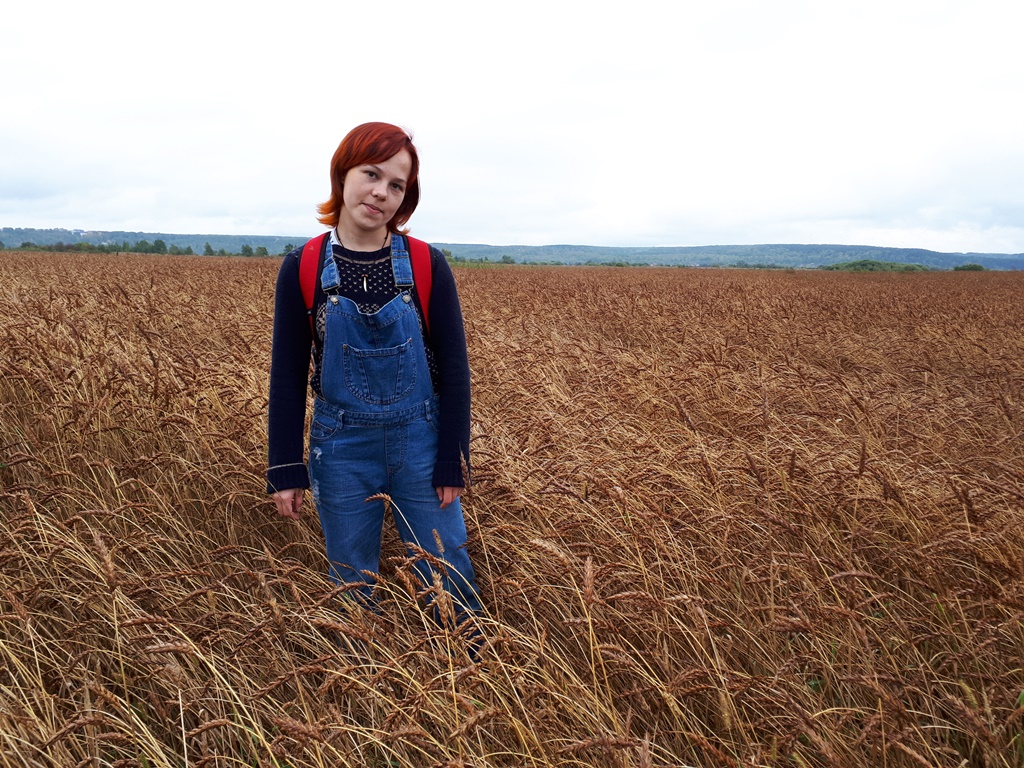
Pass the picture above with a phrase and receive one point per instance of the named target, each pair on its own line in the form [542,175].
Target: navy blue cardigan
[290,366]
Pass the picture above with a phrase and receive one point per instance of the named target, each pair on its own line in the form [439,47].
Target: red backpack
[422,274]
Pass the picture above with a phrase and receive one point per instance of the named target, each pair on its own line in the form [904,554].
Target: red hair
[367,144]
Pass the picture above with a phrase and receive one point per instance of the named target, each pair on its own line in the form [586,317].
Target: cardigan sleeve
[289,371]
[448,343]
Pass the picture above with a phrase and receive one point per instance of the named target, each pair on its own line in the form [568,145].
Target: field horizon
[796,255]
[719,517]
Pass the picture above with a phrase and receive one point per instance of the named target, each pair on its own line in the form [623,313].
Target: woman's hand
[289,502]
[447,494]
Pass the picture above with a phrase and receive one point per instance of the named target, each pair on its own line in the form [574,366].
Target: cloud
[695,123]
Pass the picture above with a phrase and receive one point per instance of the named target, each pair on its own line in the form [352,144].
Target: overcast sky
[896,123]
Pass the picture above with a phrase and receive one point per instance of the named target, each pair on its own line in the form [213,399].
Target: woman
[391,413]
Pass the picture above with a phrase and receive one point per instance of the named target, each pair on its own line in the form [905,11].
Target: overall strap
[401,267]
[409,252]
[405,252]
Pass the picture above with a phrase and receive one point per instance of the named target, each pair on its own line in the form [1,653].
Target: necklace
[366,288]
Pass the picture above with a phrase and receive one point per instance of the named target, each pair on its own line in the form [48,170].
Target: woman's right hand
[289,502]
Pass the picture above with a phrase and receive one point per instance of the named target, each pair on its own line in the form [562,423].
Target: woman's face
[372,194]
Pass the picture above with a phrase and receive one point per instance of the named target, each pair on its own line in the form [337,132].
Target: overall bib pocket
[380,376]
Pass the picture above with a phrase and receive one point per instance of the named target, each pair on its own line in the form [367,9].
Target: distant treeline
[146,242]
[869,265]
[750,256]
[143,246]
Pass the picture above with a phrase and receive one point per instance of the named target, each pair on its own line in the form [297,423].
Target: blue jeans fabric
[375,431]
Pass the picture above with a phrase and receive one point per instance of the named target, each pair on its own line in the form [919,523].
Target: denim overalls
[374,430]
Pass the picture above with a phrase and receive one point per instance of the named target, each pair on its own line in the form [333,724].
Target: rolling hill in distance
[778,255]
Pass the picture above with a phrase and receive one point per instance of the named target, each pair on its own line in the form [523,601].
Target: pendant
[365,289]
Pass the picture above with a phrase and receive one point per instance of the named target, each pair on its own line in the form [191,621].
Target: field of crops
[720,518]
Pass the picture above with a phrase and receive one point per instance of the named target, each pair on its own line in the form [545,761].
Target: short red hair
[367,144]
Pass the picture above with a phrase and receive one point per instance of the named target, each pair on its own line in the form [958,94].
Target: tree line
[143,246]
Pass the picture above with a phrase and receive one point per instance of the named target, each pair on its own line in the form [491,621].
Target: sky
[634,123]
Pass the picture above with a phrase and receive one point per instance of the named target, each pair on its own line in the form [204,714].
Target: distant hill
[804,256]
[13,237]
[733,255]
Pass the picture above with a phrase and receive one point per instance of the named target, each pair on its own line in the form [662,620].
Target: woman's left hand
[447,494]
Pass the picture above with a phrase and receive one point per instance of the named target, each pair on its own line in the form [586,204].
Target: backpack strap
[309,263]
[422,275]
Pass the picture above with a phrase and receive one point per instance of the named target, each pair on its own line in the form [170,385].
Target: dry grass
[721,518]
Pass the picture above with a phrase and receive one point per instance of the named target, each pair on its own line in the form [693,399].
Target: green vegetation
[158,247]
[870,265]
[969,268]
[142,242]
[140,246]
[781,256]
[777,256]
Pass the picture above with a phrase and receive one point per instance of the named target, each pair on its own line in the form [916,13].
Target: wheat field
[719,518]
